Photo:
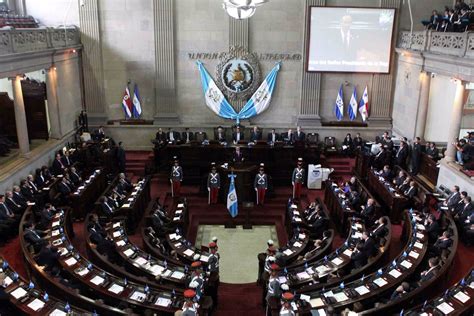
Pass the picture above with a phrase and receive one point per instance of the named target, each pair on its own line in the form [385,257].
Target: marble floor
[238,249]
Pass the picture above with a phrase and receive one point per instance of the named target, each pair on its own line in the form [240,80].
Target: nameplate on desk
[55,233]
[178,212]
[356,235]
[445,308]
[134,193]
[56,223]
[380,282]
[18,293]
[138,296]
[180,205]
[301,236]
[57,242]
[7,281]
[420,236]
[293,206]
[462,297]
[297,219]
[362,290]
[172,236]
[297,244]
[36,304]
[115,288]
[177,218]
[163,301]
[296,213]
[420,227]
[116,234]
[126,205]
[63,251]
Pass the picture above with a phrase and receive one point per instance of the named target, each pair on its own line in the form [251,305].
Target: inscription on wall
[236,50]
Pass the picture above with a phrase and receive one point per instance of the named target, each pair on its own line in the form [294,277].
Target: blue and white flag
[215,99]
[339,105]
[353,105]
[260,100]
[137,106]
[364,105]
[232,202]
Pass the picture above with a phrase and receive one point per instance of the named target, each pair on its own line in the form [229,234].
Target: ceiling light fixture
[241,9]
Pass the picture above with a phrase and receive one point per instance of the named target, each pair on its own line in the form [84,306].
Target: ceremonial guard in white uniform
[298,179]
[260,184]
[176,177]
[213,184]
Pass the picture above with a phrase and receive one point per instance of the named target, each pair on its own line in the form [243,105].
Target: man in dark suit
[386,173]
[19,198]
[187,136]
[121,157]
[12,205]
[354,199]
[359,256]
[159,225]
[106,206]
[402,155]
[173,136]
[387,141]
[220,134]
[46,216]
[34,236]
[26,190]
[64,189]
[412,190]
[398,181]
[123,185]
[369,248]
[49,258]
[238,156]
[317,224]
[273,137]
[432,229]
[432,151]
[288,137]
[368,211]
[415,156]
[74,176]
[433,267]
[450,203]
[465,211]
[6,215]
[382,158]
[66,159]
[238,135]
[58,166]
[442,243]
[358,142]
[300,136]
[160,137]
[255,135]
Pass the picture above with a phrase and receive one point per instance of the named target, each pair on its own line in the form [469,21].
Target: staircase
[240,299]
[342,166]
[136,162]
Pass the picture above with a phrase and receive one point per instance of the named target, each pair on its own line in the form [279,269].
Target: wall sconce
[433,74]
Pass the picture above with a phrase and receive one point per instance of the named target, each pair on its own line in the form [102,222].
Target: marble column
[425,81]
[20,117]
[92,67]
[165,81]
[456,117]
[310,81]
[53,105]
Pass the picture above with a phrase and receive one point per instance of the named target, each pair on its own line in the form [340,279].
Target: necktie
[9,213]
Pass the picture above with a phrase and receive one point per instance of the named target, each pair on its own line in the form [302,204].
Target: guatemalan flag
[232,203]
[364,105]
[215,99]
[353,105]
[260,100]
[339,105]
[127,103]
[137,106]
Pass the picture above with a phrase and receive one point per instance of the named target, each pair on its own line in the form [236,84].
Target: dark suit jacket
[432,231]
[286,138]
[33,237]
[359,259]
[161,137]
[368,211]
[270,137]
[58,167]
[379,232]
[411,192]
[234,136]
[75,178]
[301,137]
[27,192]
[237,158]
[13,206]
[184,136]
[401,156]
[255,136]
[67,161]
[429,275]
[63,188]
[20,199]
[176,136]
[369,247]
[3,212]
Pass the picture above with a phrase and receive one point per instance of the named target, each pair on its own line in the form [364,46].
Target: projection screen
[350,39]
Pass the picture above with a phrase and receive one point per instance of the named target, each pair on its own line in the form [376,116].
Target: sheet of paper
[297,244]
[97,280]
[83,272]
[163,301]
[57,312]
[178,212]
[120,243]
[180,205]
[7,281]
[188,252]
[176,218]
[166,273]
[115,225]
[71,261]
[172,236]
[305,297]
[321,312]
[341,297]
[348,252]
[129,252]
[337,261]
[301,236]
[138,296]
[36,304]
[204,258]
[445,308]
[420,227]
[178,245]
[414,254]
[329,294]
[18,293]
[362,290]
[420,235]
[56,223]
[418,245]
[115,288]
[322,269]
[116,234]
[395,273]
[55,233]
[156,269]
[282,279]
[141,261]
[462,297]
[316,302]
[406,264]
[303,275]
[288,252]
[356,235]
[297,219]
[380,282]
[177,275]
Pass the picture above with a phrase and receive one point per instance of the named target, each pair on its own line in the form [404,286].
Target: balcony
[16,41]
[452,44]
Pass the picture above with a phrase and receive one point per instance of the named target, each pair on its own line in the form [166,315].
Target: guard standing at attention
[213,265]
[298,179]
[260,184]
[213,184]
[176,177]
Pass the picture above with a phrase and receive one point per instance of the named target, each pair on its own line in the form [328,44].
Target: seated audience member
[74,176]
[358,142]
[173,137]
[368,212]
[104,245]
[220,135]
[46,216]
[317,246]
[359,256]
[66,159]
[58,166]
[369,247]
[386,173]
[12,205]
[99,134]
[434,22]
[123,186]
[441,244]
[354,199]
[400,291]
[379,232]
[159,226]
[255,135]
[400,179]
[412,190]
[299,136]
[348,145]
[387,141]
[308,210]
[238,135]
[187,136]
[273,137]
[432,151]
[65,189]
[431,229]
[49,258]
[106,206]
[433,267]
[6,215]
[160,138]
[19,198]
[381,159]
[317,224]
[26,190]
[34,236]
[288,137]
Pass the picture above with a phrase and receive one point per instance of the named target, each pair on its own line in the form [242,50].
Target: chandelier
[241,9]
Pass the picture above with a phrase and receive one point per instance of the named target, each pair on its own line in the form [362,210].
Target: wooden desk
[339,212]
[386,192]
[429,169]
[362,166]
[279,160]
[87,193]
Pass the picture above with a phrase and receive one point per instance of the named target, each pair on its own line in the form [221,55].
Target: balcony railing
[13,41]
[454,44]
